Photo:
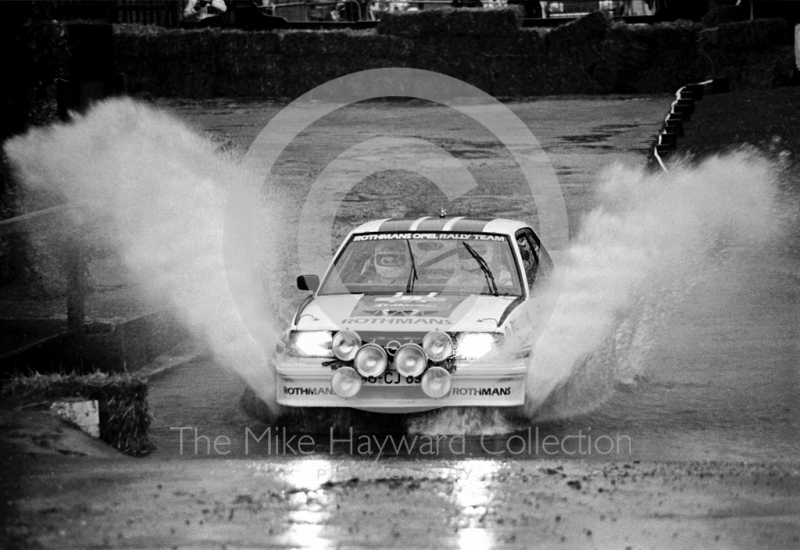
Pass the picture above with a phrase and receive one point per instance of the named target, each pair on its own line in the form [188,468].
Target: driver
[530,261]
[392,265]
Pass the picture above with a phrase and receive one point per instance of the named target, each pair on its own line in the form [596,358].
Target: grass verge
[124,416]
[766,119]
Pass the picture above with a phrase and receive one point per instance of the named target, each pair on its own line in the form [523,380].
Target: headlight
[438,346]
[410,360]
[346,382]
[371,360]
[474,345]
[312,343]
[436,382]
[346,344]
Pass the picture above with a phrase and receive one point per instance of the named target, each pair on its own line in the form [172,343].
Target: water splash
[464,421]
[634,259]
[156,191]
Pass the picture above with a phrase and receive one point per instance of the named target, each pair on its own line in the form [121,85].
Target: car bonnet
[405,313]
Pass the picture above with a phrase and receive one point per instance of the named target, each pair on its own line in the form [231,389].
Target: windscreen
[421,263]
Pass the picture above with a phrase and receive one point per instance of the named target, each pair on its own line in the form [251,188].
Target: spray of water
[156,191]
[634,259]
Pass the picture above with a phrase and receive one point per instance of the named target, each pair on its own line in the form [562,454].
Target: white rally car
[414,315]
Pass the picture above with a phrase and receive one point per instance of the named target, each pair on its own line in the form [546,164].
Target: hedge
[625,54]
[572,52]
[485,48]
[756,33]
[518,69]
[122,403]
[343,46]
[312,58]
[753,54]
[674,57]
[450,21]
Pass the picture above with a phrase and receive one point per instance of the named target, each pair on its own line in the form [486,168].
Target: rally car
[415,315]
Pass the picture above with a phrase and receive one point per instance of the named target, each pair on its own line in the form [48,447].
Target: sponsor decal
[394,321]
[407,299]
[429,236]
[481,391]
[393,377]
[406,306]
[308,391]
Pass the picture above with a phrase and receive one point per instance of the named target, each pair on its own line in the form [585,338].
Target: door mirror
[308,282]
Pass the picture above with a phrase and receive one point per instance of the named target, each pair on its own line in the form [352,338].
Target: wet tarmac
[465,504]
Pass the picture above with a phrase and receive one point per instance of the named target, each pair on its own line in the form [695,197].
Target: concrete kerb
[680,112]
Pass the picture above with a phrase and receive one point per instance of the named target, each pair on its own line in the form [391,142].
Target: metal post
[91,79]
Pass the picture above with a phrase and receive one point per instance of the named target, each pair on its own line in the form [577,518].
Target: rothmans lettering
[482,391]
[308,391]
[395,321]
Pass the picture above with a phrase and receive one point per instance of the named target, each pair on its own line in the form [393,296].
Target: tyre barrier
[674,125]
[679,114]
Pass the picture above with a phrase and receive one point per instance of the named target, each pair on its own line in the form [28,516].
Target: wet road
[580,137]
[680,430]
[460,504]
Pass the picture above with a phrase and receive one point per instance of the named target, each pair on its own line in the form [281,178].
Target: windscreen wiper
[485,268]
[412,275]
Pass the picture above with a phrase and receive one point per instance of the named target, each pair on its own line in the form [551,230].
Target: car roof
[448,224]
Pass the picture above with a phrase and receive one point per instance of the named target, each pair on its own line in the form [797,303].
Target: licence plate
[392,378]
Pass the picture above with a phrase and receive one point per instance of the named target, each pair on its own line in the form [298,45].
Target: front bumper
[306,383]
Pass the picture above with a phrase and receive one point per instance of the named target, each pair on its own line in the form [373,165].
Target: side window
[529,249]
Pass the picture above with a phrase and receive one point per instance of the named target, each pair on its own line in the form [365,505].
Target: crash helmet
[525,252]
[467,261]
[391,260]
[529,259]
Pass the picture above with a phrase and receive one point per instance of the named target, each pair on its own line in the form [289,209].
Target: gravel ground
[396,504]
